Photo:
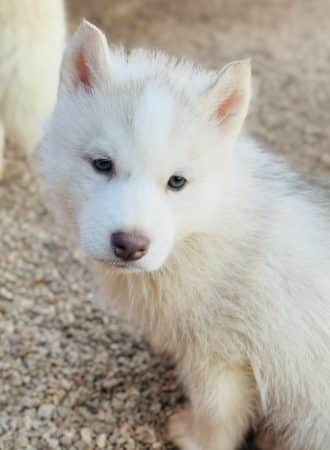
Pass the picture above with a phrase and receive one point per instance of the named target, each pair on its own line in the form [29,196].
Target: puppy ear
[228,99]
[85,60]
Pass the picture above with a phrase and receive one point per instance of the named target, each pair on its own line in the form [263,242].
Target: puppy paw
[180,430]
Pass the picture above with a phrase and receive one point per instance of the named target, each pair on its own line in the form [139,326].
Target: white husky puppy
[31,43]
[216,249]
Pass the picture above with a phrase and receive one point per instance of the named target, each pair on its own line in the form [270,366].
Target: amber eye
[176,182]
[103,165]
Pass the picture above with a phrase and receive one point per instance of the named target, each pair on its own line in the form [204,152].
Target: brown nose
[128,246]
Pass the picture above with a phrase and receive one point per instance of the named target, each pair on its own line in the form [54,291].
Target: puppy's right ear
[85,61]
[228,99]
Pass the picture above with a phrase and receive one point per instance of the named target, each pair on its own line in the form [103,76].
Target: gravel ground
[73,377]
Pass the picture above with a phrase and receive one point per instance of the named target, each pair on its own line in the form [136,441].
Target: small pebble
[46,411]
[86,435]
[101,441]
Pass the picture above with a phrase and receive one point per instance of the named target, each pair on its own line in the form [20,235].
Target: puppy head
[136,153]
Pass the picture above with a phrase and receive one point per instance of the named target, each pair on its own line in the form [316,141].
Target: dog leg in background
[28,138]
[32,36]
[220,412]
[2,150]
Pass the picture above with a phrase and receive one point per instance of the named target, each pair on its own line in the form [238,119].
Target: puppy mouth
[119,265]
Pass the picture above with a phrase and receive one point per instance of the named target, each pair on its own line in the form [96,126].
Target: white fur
[31,43]
[236,284]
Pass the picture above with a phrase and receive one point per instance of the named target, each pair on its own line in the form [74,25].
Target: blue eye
[103,165]
[176,182]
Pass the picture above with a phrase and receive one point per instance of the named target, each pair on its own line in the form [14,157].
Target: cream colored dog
[209,243]
[32,36]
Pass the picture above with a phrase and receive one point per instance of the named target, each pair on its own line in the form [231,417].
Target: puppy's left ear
[228,99]
[85,61]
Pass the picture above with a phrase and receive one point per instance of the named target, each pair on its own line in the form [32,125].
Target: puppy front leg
[221,411]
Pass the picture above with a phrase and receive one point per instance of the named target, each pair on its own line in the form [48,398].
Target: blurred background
[73,377]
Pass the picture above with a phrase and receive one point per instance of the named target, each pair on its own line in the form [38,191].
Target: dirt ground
[73,377]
